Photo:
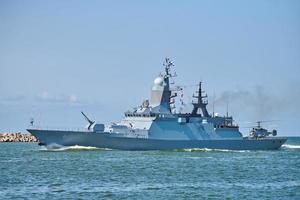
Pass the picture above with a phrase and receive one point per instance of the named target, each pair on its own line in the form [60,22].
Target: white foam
[208,150]
[290,146]
[55,147]
[77,147]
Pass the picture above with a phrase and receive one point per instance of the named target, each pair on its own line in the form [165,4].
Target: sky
[60,57]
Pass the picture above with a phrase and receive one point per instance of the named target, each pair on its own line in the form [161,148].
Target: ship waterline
[105,140]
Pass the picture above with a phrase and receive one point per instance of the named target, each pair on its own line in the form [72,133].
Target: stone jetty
[17,137]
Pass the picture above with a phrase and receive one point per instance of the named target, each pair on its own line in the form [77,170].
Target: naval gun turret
[88,120]
[93,125]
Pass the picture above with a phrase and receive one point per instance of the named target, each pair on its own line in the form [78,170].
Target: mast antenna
[168,64]
[213,106]
[227,108]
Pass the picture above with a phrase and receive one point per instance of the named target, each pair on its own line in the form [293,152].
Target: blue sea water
[28,172]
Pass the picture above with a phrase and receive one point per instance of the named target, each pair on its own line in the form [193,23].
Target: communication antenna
[168,64]
[181,100]
[213,105]
[227,108]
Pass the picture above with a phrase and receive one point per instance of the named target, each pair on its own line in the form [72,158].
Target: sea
[30,172]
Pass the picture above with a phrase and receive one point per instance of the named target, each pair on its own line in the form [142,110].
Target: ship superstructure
[156,125]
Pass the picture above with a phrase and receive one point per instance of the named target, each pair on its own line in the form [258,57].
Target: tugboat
[156,125]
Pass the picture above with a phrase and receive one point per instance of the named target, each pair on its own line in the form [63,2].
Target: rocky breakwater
[17,137]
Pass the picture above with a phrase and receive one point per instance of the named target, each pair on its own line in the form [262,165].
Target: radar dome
[159,81]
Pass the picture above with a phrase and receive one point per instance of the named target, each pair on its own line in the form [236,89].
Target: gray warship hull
[105,140]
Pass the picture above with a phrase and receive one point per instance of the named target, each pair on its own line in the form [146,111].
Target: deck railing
[59,129]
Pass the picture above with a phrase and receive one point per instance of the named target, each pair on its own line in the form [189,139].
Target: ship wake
[291,146]
[55,147]
[209,150]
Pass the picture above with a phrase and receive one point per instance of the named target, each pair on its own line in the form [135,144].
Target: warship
[156,125]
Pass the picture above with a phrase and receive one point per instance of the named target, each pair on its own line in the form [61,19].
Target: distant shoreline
[17,137]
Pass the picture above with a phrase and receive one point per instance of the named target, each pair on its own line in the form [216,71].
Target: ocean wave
[55,147]
[209,150]
[291,146]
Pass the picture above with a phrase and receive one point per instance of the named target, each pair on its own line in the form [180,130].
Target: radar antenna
[88,120]
[168,64]
[167,90]
[200,103]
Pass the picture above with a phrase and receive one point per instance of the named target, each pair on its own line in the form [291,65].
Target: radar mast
[168,64]
[201,102]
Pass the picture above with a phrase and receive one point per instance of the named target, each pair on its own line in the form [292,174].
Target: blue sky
[60,57]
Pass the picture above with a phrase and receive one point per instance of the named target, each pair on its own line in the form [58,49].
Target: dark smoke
[258,103]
